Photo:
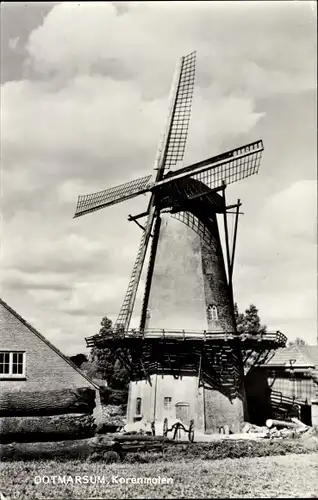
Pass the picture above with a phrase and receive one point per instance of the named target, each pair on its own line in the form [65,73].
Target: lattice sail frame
[229,167]
[95,201]
[171,150]
[121,321]
[235,170]
[177,138]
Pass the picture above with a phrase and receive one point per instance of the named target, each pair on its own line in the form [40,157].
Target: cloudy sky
[83,102]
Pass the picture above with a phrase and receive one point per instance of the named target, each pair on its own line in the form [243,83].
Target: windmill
[186,345]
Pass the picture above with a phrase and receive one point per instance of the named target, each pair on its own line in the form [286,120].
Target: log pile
[276,429]
[20,403]
[81,448]
[93,448]
[46,428]
[112,419]
[31,421]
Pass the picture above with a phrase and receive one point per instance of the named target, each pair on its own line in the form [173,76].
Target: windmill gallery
[186,360]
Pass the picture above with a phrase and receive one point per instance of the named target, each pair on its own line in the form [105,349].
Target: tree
[249,322]
[239,318]
[78,359]
[298,342]
[107,362]
[120,378]
[91,369]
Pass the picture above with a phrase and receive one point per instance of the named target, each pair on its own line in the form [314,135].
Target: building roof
[41,337]
[304,356]
[311,352]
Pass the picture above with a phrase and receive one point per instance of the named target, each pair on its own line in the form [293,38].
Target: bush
[219,450]
[108,457]
[109,396]
[143,457]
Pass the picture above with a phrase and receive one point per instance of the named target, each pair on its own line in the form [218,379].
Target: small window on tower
[167,403]
[138,406]
[212,313]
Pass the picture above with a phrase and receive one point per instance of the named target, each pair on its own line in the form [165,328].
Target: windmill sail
[229,167]
[171,150]
[96,201]
[125,310]
[178,132]
[243,163]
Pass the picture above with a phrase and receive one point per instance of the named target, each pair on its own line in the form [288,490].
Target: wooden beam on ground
[81,448]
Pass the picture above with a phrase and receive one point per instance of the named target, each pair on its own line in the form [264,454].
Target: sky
[84,96]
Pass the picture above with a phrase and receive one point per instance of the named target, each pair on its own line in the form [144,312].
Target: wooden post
[226,235]
[200,365]
[234,237]
[151,265]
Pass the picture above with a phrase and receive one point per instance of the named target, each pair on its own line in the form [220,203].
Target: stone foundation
[169,398]
[221,412]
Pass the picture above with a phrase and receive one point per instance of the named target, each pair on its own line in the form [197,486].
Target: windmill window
[167,403]
[12,364]
[212,313]
[138,406]
[217,358]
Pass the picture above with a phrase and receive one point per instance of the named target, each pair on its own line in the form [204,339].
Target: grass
[292,476]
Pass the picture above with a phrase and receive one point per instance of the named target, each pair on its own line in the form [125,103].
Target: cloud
[92,35]
[291,212]
[16,279]
[278,261]
[88,113]
[13,42]
[286,221]
[77,120]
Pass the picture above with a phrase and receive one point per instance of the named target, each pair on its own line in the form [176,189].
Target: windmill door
[182,413]
[305,414]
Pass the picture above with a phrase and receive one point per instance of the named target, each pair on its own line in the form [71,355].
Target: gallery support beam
[227,246]
[234,239]
[151,265]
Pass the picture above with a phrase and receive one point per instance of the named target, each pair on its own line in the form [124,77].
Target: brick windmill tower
[186,358]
